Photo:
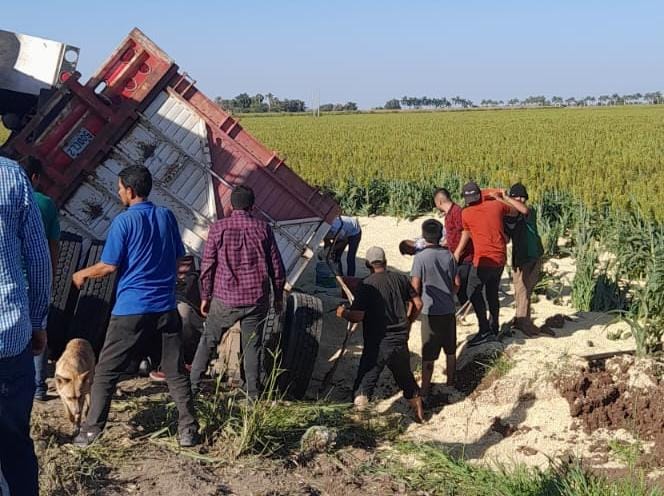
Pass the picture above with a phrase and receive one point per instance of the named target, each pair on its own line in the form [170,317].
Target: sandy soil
[524,399]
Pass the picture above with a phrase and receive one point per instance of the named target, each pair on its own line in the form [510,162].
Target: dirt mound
[622,393]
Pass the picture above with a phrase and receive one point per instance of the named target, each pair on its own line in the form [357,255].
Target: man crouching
[387,304]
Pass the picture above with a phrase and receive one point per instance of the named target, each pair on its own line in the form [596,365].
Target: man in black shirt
[387,304]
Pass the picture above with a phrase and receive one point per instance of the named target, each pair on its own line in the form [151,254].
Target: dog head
[73,389]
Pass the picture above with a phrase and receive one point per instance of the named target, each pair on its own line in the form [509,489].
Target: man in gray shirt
[434,277]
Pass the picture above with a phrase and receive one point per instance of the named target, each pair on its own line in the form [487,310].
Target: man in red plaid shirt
[241,266]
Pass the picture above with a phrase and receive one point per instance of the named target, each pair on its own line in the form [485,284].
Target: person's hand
[38,342]
[278,306]
[340,311]
[205,307]
[79,279]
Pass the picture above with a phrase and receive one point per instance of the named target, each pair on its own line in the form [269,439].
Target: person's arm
[353,316]
[100,269]
[463,242]
[514,206]
[34,250]
[53,235]
[416,282]
[276,270]
[415,308]
[209,267]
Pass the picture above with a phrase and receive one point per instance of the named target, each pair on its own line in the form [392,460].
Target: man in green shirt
[49,214]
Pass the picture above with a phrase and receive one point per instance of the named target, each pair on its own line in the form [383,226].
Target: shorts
[438,331]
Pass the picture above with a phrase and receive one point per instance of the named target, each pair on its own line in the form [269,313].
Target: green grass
[599,155]
[431,470]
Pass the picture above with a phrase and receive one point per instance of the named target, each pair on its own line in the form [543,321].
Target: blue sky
[370,51]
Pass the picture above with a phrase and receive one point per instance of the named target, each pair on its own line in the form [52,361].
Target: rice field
[605,155]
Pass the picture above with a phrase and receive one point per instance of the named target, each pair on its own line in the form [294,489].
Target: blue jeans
[41,364]
[353,243]
[17,453]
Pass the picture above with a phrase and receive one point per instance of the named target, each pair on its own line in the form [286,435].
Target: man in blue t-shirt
[143,246]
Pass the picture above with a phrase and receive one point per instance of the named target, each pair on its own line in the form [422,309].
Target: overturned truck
[140,107]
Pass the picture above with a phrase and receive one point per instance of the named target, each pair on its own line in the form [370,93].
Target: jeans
[125,339]
[378,354]
[487,279]
[464,272]
[41,365]
[219,320]
[17,453]
[353,243]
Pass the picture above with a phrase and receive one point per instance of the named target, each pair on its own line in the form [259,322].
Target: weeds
[430,469]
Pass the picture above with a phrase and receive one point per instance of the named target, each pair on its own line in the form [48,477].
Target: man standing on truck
[143,246]
[483,223]
[23,313]
[387,305]
[241,264]
[49,215]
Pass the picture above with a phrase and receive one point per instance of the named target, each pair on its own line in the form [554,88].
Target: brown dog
[74,373]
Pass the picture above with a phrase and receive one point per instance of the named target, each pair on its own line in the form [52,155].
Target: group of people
[242,274]
[462,260]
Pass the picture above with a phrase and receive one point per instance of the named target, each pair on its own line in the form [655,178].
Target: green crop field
[610,155]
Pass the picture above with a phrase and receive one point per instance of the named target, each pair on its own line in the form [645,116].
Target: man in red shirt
[241,265]
[482,221]
[453,229]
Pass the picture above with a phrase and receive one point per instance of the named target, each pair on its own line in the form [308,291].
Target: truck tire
[94,305]
[300,340]
[63,301]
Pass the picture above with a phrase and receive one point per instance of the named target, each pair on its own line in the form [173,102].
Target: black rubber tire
[300,340]
[64,294]
[94,305]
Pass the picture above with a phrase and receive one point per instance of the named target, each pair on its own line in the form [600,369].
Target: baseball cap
[518,190]
[375,254]
[471,193]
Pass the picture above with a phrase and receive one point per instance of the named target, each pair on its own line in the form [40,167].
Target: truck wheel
[300,339]
[63,301]
[94,305]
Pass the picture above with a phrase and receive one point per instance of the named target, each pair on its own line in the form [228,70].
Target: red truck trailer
[141,108]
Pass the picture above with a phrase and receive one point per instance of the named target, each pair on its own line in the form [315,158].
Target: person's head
[471,193]
[518,192]
[375,259]
[242,198]
[443,200]
[33,168]
[134,184]
[432,231]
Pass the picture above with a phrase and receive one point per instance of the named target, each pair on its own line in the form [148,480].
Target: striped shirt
[23,307]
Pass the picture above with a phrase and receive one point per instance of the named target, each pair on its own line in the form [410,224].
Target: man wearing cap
[434,277]
[527,254]
[387,304]
[482,221]
[241,266]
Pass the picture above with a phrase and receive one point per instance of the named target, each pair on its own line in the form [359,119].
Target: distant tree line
[260,103]
[338,107]
[410,102]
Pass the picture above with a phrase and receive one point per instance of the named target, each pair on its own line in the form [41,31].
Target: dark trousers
[126,337]
[219,320]
[17,454]
[378,354]
[464,273]
[487,279]
[353,243]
